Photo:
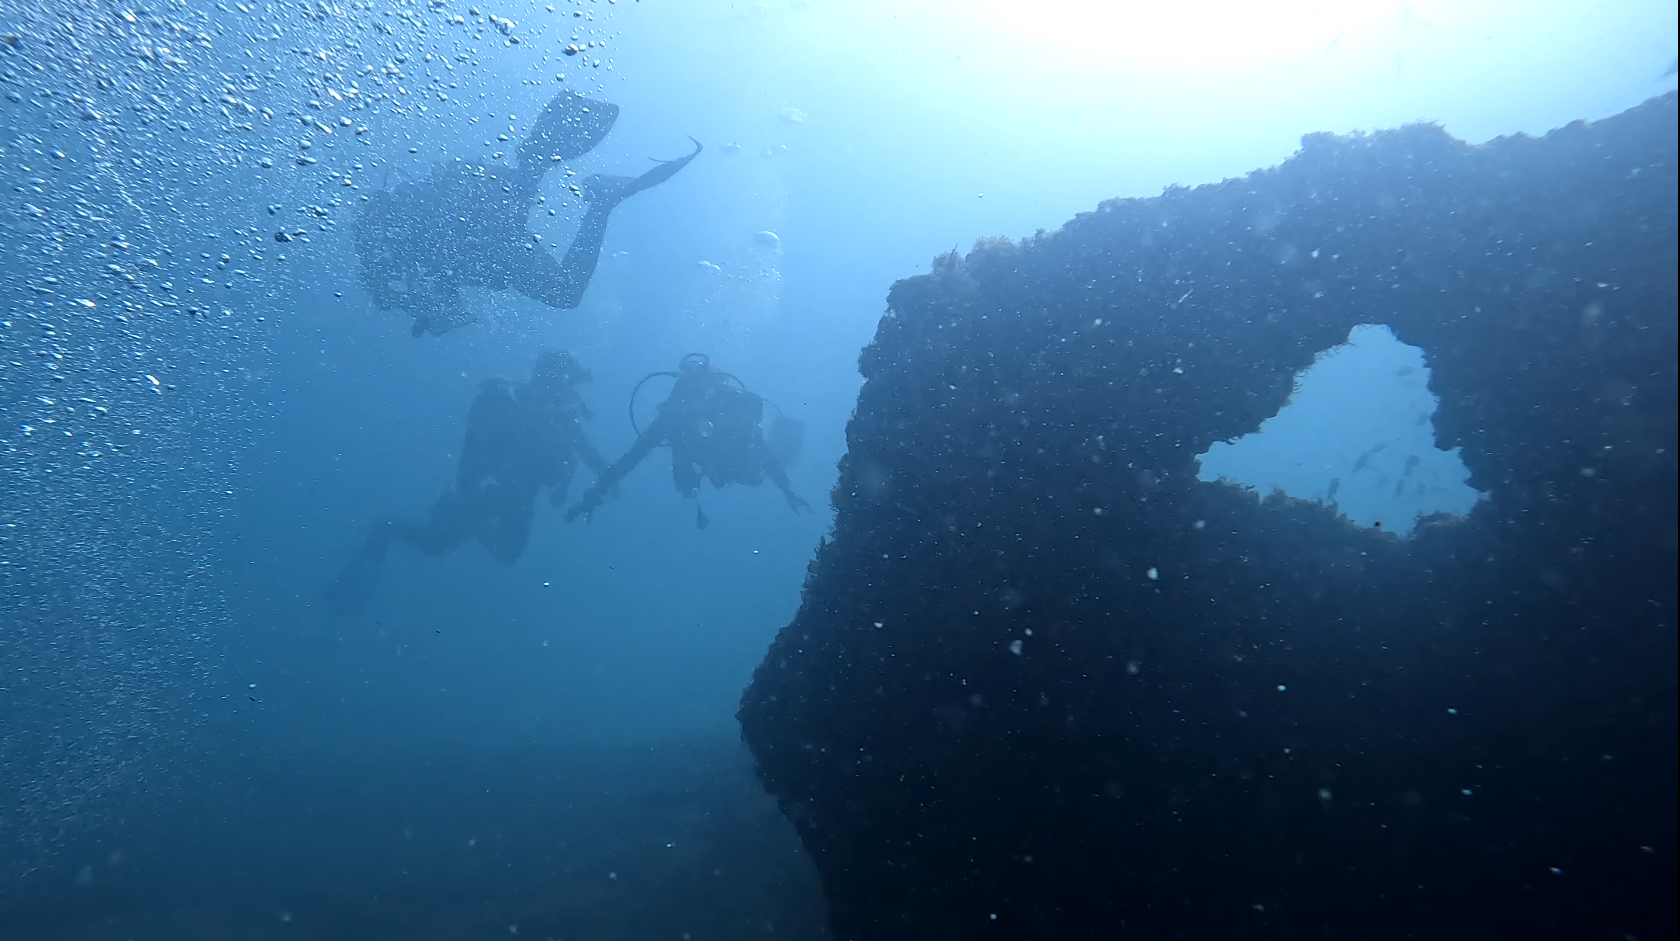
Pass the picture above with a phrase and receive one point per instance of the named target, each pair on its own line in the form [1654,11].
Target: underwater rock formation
[1044,683]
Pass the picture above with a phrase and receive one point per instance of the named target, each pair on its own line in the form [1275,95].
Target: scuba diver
[520,439]
[464,225]
[712,425]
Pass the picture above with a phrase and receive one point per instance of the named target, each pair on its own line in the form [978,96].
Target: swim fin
[569,126]
[603,188]
[355,583]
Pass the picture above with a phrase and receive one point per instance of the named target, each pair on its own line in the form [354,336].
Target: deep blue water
[200,422]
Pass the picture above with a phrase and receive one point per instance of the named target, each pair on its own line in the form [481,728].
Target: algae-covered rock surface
[1045,683]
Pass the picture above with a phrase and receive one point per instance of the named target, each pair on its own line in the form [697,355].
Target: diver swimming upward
[464,224]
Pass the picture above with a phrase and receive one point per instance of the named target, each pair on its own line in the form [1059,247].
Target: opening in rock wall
[1357,435]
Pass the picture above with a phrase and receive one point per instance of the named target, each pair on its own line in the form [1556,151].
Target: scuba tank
[700,360]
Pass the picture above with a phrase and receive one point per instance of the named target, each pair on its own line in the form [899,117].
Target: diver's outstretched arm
[779,477]
[651,438]
[591,457]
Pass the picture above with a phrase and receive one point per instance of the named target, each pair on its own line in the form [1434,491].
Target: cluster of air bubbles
[172,171]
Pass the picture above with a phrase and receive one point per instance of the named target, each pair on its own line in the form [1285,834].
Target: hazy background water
[190,447]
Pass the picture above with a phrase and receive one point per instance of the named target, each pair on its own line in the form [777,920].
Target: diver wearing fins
[464,225]
[519,439]
[713,426]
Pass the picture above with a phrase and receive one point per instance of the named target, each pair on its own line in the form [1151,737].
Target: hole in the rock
[1358,435]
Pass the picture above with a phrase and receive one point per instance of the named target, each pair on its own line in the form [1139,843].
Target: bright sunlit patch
[1197,36]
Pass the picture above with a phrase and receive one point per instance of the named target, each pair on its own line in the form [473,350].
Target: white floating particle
[1283,688]
[1015,647]
[1153,573]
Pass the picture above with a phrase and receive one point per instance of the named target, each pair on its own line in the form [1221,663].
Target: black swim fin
[355,583]
[569,126]
[603,188]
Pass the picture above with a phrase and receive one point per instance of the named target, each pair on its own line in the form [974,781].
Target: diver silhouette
[519,440]
[464,225]
[713,426]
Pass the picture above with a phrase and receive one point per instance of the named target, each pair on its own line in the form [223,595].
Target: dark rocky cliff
[1295,728]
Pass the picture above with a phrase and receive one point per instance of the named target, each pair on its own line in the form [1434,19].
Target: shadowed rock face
[1234,719]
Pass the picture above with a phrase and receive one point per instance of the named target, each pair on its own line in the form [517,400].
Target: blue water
[191,445]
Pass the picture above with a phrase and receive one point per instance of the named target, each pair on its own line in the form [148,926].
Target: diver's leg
[561,283]
[505,526]
[450,524]
[355,583]
[684,473]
